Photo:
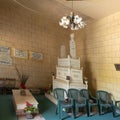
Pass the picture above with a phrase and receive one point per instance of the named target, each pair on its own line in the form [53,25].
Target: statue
[72,46]
[62,51]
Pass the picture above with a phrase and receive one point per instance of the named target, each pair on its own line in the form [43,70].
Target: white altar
[69,73]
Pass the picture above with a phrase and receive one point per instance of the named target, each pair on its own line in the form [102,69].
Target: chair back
[60,93]
[103,96]
[85,93]
[73,93]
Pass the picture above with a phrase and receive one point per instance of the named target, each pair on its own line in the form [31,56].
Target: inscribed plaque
[21,53]
[5,57]
[36,56]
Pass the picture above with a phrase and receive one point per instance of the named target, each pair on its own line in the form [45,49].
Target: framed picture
[20,53]
[5,55]
[35,56]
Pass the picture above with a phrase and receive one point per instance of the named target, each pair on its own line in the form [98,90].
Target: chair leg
[60,113]
[56,110]
[114,115]
[101,110]
[74,112]
[88,110]
[87,106]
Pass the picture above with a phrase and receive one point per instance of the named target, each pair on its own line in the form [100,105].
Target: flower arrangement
[22,77]
[30,108]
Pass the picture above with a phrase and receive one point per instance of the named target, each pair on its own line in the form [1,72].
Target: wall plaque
[5,56]
[36,56]
[20,53]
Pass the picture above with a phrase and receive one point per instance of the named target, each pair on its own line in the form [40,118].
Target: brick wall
[22,29]
[102,51]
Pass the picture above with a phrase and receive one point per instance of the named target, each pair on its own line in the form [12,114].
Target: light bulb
[60,23]
[67,21]
[64,26]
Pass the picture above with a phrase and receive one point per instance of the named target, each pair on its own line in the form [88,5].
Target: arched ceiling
[88,8]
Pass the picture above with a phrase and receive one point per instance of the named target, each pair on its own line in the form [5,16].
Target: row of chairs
[75,100]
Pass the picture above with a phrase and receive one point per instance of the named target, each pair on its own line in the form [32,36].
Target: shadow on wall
[92,86]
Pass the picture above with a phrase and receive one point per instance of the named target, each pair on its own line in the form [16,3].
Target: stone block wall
[102,51]
[25,30]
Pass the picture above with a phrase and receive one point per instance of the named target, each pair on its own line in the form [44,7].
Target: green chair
[105,102]
[91,101]
[116,109]
[79,102]
[63,103]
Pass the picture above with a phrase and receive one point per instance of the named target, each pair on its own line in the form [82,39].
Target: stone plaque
[20,53]
[5,57]
[36,56]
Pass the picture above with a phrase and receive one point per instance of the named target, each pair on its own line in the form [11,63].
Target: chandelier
[72,21]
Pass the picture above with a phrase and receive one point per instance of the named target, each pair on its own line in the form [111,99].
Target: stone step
[51,98]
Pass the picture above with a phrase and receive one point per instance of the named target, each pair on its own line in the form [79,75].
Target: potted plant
[23,79]
[30,110]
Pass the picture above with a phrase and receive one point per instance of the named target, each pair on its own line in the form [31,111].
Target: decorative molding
[35,55]
[20,53]
[5,56]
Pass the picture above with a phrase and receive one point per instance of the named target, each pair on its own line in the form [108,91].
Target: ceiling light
[72,21]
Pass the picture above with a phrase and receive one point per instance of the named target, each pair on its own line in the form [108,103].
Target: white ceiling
[95,9]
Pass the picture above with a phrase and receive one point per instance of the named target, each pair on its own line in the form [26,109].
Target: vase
[29,115]
[22,92]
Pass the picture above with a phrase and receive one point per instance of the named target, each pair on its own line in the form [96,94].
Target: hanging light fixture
[72,21]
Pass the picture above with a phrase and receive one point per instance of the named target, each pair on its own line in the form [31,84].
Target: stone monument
[68,71]
[72,46]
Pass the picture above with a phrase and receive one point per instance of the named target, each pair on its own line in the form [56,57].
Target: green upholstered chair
[79,102]
[63,102]
[116,109]
[105,102]
[91,101]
